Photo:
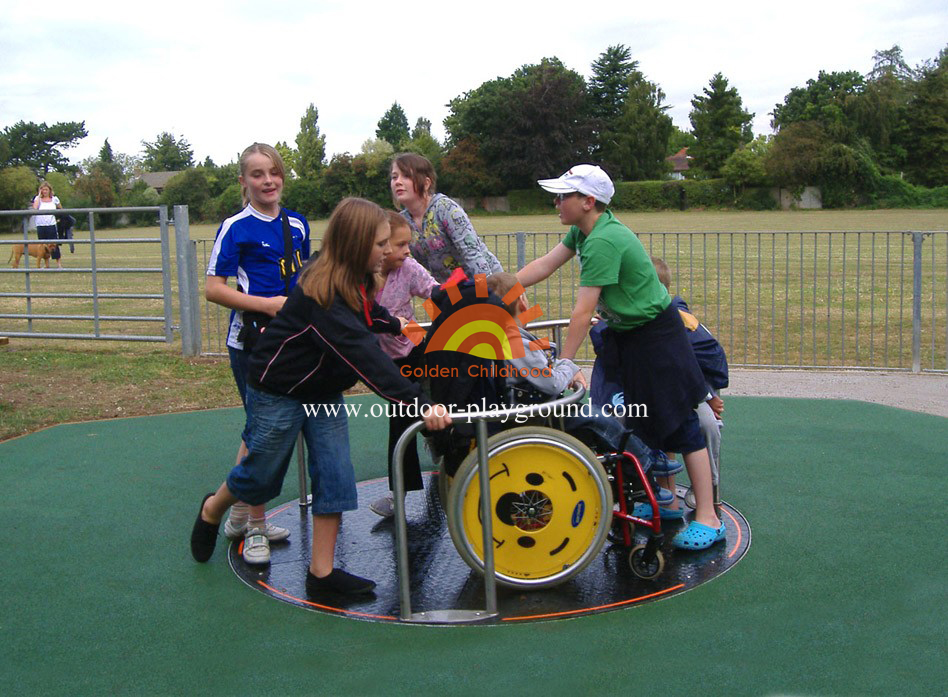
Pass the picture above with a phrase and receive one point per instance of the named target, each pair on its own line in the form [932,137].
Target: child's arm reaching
[550,378]
[383,322]
[586,301]
[421,283]
[543,267]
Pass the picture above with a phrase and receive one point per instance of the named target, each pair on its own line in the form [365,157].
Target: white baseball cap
[589,180]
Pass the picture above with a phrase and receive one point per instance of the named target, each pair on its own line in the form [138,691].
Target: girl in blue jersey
[319,344]
[249,247]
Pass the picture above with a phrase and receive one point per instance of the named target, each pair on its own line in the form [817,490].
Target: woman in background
[46,224]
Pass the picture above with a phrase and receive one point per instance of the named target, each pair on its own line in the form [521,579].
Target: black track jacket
[310,353]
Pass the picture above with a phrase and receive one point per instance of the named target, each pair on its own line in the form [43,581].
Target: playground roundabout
[441,580]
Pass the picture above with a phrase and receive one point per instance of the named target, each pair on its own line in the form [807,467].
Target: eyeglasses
[559,198]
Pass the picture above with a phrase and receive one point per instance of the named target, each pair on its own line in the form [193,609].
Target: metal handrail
[480,419]
[80,241]
[28,212]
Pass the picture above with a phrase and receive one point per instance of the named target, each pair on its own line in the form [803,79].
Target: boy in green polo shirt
[659,370]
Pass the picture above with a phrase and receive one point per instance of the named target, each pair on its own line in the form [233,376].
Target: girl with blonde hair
[250,248]
[319,344]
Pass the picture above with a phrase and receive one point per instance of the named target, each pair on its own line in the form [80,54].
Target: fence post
[186,255]
[26,265]
[917,239]
[521,250]
[94,264]
[195,295]
[166,271]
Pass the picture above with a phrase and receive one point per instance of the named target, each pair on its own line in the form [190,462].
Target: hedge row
[658,196]
[529,200]
[894,192]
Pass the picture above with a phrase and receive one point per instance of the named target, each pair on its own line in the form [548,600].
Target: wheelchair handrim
[462,508]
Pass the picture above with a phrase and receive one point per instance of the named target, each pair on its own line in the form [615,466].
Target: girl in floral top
[402,278]
[444,237]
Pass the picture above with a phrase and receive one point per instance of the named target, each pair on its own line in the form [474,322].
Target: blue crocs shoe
[644,510]
[698,536]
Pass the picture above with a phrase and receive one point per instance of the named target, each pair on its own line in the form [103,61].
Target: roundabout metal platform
[441,579]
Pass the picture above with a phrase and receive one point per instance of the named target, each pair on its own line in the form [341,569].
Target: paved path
[927,392]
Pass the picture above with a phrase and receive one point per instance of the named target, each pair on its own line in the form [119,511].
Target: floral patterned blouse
[447,240]
[409,280]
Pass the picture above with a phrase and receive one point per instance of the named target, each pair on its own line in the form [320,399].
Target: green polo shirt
[613,258]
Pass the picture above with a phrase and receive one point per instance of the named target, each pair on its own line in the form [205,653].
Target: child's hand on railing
[436,418]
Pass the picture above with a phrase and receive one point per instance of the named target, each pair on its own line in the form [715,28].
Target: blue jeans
[611,434]
[239,366]
[274,423]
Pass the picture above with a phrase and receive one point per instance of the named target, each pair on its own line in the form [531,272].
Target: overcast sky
[223,75]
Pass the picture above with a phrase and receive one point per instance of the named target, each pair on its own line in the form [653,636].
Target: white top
[46,205]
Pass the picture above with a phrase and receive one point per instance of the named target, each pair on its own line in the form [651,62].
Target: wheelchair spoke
[532,512]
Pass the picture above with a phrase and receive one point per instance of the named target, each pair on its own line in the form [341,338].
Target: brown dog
[40,251]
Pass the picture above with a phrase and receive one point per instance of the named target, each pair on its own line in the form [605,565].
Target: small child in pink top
[402,279]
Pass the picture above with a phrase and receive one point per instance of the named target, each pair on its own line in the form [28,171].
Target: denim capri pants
[274,422]
[239,366]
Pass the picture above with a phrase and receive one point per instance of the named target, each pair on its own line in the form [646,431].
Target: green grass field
[773,293]
[746,288]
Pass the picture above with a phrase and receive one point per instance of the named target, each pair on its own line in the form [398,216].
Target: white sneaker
[256,547]
[274,533]
[690,498]
[384,506]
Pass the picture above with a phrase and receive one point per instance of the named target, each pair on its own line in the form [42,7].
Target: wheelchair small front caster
[644,570]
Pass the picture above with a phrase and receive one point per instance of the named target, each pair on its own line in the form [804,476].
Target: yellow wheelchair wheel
[551,504]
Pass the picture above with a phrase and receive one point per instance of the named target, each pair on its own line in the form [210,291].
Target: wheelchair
[555,501]
[554,498]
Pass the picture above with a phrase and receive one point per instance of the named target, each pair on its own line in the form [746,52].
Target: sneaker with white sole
[274,533]
[690,498]
[664,496]
[384,506]
[256,547]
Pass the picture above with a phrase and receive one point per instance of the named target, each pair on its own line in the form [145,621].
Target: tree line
[861,138]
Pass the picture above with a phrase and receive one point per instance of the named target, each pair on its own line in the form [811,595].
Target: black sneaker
[338,581]
[203,535]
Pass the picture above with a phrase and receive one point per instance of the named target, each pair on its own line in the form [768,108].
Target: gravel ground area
[926,392]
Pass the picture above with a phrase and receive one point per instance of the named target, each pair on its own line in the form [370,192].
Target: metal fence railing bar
[774,299]
[120,282]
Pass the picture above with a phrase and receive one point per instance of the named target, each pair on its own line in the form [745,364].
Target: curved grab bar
[525,410]
[480,419]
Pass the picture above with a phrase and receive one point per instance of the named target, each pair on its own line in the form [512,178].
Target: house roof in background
[679,160]
[156,180]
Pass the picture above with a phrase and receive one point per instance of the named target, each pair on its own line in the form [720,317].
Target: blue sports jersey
[249,246]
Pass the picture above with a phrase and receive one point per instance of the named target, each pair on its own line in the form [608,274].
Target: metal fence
[110,287]
[868,300]
[813,299]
